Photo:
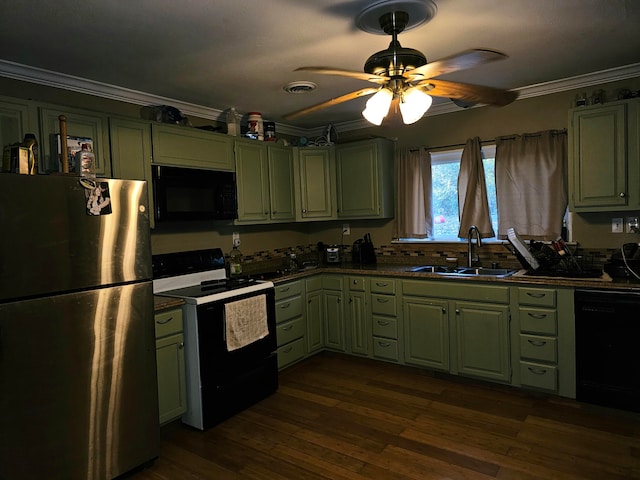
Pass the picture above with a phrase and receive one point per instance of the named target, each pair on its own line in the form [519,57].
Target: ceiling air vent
[300,87]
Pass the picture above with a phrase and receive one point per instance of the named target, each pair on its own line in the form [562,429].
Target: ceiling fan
[405,80]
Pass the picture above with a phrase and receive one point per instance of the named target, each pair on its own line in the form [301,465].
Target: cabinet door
[334,320]
[359,324]
[314,312]
[80,123]
[316,176]
[130,142]
[483,340]
[426,332]
[172,390]
[599,158]
[281,184]
[253,182]
[190,147]
[16,119]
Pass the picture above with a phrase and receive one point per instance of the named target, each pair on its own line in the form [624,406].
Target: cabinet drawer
[539,376]
[313,284]
[357,284]
[539,348]
[463,290]
[288,308]
[286,332]
[385,327]
[288,290]
[332,283]
[385,348]
[538,320]
[537,296]
[168,322]
[383,305]
[290,353]
[381,285]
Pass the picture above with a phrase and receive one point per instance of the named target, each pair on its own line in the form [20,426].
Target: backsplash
[416,254]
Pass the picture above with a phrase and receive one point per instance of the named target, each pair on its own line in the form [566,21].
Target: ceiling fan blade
[469,93]
[460,61]
[334,101]
[369,77]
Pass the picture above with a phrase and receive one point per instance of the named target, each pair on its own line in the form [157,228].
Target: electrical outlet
[236,239]
[346,229]
[617,225]
[631,225]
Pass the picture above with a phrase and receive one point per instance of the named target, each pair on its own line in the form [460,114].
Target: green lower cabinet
[172,389]
[482,340]
[426,332]
[359,324]
[290,322]
[314,312]
[334,313]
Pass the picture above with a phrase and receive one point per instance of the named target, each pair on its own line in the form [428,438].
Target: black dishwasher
[607,339]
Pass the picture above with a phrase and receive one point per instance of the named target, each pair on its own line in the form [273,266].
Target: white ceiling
[240,53]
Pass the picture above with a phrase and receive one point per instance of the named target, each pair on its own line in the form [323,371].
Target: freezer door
[50,242]
[78,385]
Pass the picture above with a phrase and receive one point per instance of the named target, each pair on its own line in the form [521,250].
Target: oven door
[231,381]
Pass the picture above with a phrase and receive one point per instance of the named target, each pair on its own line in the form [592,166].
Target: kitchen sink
[489,272]
[464,271]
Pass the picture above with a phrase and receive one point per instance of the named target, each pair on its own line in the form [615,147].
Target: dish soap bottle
[235,260]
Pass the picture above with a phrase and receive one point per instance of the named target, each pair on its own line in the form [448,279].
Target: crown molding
[49,78]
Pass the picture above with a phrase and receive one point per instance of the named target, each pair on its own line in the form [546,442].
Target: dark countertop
[403,271]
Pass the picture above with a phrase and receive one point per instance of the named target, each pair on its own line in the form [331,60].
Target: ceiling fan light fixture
[378,106]
[414,104]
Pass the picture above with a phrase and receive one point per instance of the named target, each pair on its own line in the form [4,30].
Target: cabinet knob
[304,210]
[622,195]
[444,310]
[457,311]
[266,213]
[181,345]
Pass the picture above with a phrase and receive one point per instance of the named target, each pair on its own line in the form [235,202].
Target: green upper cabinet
[253,181]
[315,192]
[130,142]
[281,183]
[16,119]
[190,147]
[265,182]
[80,123]
[365,179]
[603,155]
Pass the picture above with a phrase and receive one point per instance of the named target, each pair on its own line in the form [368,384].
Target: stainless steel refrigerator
[78,385]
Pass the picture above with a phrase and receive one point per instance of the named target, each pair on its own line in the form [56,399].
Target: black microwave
[193,194]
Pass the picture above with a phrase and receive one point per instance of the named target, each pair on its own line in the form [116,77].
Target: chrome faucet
[472,229]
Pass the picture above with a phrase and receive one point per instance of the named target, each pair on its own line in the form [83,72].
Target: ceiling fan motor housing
[395,60]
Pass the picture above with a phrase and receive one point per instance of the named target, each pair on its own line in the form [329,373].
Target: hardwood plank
[346,418]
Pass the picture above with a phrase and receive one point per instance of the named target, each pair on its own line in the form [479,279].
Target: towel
[245,321]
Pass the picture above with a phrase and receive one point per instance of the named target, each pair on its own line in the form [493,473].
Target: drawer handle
[382,300]
[384,344]
[284,289]
[537,343]
[287,350]
[285,305]
[537,371]
[383,323]
[287,327]
[382,284]
[163,322]
[538,316]
[537,295]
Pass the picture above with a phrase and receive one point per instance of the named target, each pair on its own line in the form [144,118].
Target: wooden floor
[340,417]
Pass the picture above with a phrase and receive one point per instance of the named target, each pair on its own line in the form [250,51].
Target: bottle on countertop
[235,260]
[293,263]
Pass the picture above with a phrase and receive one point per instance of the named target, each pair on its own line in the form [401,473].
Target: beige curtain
[531,184]
[472,192]
[414,217]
